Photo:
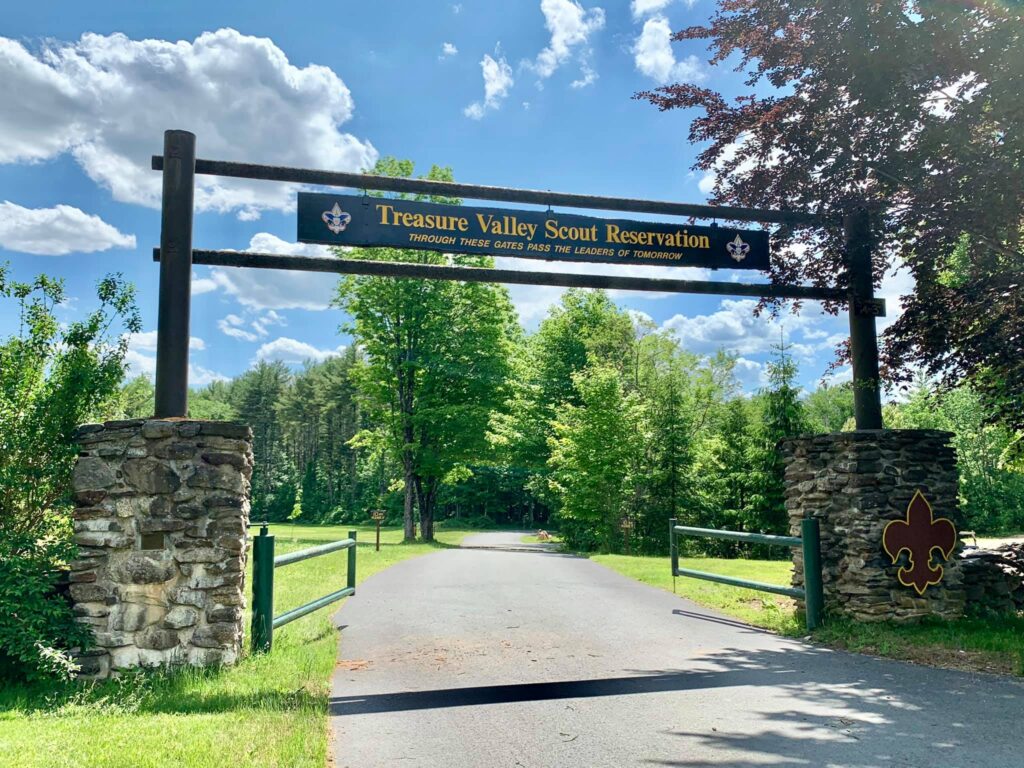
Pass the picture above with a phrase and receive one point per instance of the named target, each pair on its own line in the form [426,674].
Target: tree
[597,458]
[585,328]
[436,362]
[53,377]
[782,416]
[256,394]
[991,493]
[910,110]
[829,408]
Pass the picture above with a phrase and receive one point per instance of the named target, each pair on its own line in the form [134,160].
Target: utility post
[172,334]
[867,401]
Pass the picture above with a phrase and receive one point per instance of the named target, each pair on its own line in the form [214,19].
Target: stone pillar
[854,483]
[160,521]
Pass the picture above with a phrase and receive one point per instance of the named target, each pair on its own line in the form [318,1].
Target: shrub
[53,377]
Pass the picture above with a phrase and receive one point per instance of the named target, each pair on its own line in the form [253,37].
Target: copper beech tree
[913,110]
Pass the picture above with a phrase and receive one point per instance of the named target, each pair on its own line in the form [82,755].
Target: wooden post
[172,335]
[867,402]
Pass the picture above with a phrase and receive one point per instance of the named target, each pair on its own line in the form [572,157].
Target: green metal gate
[809,540]
[263,564]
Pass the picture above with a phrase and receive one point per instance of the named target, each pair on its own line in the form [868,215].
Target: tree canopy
[911,110]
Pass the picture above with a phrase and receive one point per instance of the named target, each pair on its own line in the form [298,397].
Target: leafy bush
[36,624]
[53,377]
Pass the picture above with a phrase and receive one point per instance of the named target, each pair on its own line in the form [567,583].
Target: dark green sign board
[355,220]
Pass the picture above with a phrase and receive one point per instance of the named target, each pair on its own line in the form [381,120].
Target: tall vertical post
[351,582]
[867,401]
[172,330]
[814,597]
[673,548]
[262,591]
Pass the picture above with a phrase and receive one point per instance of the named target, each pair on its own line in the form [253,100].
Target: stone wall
[160,521]
[855,483]
[994,579]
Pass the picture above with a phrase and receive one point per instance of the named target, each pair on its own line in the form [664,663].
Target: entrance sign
[331,219]
[354,220]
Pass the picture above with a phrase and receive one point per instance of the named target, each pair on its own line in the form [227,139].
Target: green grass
[268,711]
[979,644]
[761,609]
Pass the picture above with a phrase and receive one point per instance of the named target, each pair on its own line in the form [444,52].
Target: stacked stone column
[162,508]
[856,482]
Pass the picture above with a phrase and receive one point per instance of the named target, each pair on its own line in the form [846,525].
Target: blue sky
[534,94]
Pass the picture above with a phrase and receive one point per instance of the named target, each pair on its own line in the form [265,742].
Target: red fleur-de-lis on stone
[919,535]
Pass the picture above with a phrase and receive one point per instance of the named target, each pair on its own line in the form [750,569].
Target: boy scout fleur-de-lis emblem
[738,249]
[919,535]
[336,219]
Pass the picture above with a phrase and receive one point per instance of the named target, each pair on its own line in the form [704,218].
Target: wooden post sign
[377,516]
[354,220]
[626,524]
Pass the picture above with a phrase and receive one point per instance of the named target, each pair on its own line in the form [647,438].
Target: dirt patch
[943,657]
[351,664]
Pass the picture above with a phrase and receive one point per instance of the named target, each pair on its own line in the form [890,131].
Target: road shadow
[871,712]
[722,620]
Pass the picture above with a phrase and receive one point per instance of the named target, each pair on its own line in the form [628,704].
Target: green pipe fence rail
[809,539]
[263,564]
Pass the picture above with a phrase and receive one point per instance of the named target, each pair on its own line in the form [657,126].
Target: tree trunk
[426,499]
[410,490]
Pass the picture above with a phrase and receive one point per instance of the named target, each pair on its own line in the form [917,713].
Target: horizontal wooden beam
[507,276]
[503,194]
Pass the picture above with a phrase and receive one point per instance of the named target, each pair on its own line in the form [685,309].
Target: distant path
[468,658]
[506,540]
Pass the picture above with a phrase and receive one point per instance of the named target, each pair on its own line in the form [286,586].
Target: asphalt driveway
[482,657]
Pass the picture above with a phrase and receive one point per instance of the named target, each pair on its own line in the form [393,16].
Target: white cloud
[146,342]
[532,302]
[750,374]
[588,75]
[293,351]
[262,289]
[262,323]
[896,283]
[457,8]
[57,231]
[735,328]
[201,285]
[106,100]
[234,326]
[571,26]
[140,363]
[448,49]
[653,55]
[643,8]
[497,82]
[707,182]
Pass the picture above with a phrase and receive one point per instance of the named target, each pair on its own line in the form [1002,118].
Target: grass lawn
[984,645]
[268,711]
[761,609]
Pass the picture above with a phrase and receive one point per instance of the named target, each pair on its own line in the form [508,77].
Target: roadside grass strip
[268,711]
[981,644]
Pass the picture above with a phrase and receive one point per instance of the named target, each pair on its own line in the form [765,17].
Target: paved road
[477,658]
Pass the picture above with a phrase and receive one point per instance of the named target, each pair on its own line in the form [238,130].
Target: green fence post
[673,549]
[814,597]
[262,591]
[352,562]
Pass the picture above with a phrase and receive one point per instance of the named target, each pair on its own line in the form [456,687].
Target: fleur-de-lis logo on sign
[919,535]
[738,249]
[336,219]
